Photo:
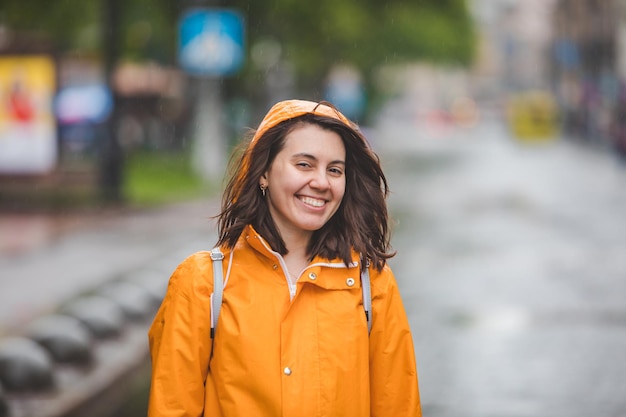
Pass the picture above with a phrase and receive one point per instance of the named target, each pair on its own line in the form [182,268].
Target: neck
[296,242]
[296,258]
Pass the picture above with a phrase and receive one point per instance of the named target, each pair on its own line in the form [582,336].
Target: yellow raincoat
[281,349]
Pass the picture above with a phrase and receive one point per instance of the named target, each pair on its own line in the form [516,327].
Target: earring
[263,187]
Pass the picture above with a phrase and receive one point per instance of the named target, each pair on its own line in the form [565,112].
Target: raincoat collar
[256,241]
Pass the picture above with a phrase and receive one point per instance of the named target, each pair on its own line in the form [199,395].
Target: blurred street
[510,261]
[501,125]
[46,260]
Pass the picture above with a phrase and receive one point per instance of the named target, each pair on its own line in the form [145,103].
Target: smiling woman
[305,185]
[303,214]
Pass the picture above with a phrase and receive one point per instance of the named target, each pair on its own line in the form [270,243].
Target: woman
[304,206]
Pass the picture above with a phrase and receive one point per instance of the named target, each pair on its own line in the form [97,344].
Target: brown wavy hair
[361,221]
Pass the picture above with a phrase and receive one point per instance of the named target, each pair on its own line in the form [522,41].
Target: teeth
[312,201]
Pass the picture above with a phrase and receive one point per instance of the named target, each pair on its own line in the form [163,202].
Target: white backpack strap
[218,288]
[367,294]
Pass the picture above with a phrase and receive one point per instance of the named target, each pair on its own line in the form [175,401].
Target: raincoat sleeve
[394,386]
[180,344]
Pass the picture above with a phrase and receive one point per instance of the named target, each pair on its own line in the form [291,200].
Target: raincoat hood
[290,109]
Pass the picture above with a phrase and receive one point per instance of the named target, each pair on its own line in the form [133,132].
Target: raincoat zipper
[292,286]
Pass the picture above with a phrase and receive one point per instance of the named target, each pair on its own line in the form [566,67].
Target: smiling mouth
[315,202]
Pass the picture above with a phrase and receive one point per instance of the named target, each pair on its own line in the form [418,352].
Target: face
[306,182]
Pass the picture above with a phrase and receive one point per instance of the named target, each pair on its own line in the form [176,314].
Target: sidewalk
[46,260]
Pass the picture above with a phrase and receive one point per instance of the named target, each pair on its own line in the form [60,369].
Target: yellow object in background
[533,116]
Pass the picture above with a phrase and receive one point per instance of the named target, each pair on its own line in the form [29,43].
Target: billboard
[28,143]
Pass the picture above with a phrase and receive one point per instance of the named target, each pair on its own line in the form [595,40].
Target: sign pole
[210,48]
[208,149]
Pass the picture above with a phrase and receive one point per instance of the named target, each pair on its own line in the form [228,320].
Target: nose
[320,181]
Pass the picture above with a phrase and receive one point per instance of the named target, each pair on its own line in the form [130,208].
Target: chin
[312,227]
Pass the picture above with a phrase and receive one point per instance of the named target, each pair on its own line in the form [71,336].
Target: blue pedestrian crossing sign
[211,42]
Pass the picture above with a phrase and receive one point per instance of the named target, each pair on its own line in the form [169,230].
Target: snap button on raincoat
[281,349]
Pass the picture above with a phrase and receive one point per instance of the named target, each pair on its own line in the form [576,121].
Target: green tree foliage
[68,23]
[365,33]
[313,35]
[147,28]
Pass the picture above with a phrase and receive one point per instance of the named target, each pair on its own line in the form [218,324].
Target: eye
[336,171]
[303,164]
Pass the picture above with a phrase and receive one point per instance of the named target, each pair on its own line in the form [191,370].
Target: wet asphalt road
[512,265]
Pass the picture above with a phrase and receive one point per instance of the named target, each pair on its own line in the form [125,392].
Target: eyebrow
[309,156]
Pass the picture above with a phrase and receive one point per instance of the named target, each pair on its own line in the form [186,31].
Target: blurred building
[514,39]
[585,37]
[589,69]
[574,50]
[511,76]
